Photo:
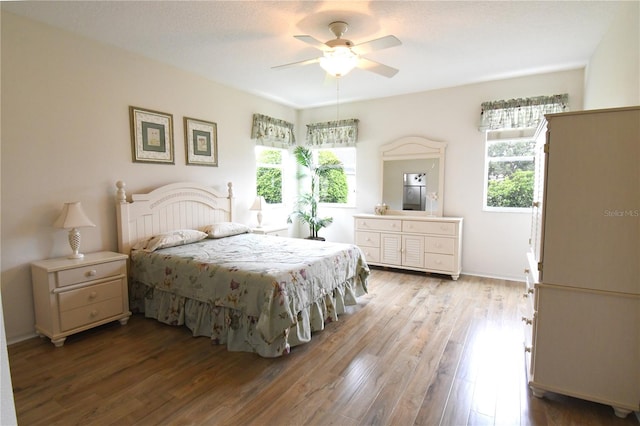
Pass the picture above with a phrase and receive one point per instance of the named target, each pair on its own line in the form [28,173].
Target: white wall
[66,137]
[612,78]
[494,244]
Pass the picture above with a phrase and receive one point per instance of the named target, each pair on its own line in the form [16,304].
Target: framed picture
[201,139]
[151,136]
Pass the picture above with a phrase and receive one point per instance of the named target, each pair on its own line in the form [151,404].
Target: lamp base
[74,242]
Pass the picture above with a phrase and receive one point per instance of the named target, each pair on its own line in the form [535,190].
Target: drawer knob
[94,313]
[92,295]
[92,273]
[438,245]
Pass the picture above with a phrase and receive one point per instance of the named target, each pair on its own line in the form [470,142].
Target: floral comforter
[256,293]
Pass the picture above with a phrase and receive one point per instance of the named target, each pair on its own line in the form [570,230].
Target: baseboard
[22,338]
[518,279]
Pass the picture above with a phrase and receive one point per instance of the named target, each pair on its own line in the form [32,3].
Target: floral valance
[520,113]
[333,134]
[273,132]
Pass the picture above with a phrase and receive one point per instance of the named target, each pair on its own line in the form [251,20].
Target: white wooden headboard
[184,205]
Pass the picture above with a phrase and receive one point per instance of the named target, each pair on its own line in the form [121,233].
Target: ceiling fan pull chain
[337,98]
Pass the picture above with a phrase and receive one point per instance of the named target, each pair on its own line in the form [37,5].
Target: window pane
[510,183]
[269,174]
[511,149]
[338,177]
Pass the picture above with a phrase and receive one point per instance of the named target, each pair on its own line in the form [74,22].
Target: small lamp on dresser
[72,218]
[258,204]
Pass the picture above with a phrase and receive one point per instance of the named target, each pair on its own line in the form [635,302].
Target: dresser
[582,318]
[72,295]
[419,243]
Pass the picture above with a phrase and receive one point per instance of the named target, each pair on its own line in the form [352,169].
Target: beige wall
[613,75]
[66,137]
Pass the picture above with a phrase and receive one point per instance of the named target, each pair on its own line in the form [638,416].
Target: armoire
[582,325]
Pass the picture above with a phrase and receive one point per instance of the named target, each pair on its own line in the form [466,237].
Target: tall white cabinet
[583,325]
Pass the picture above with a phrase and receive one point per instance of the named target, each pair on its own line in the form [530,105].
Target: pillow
[170,239]
[225,229]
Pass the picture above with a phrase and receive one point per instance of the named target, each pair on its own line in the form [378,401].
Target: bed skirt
[232,327]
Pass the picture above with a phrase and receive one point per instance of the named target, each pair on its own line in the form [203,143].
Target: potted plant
[307,204]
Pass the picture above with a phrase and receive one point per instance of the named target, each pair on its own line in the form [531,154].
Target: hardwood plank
[417,349]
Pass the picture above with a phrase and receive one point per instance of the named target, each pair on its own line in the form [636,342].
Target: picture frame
[201,142]
[151,136]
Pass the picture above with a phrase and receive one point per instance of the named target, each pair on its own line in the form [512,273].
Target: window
[337,184]
[509,172]
[269,172]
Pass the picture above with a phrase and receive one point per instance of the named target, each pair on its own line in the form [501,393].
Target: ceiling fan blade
[376,44]
[312,41]
[376,67]
[299,63]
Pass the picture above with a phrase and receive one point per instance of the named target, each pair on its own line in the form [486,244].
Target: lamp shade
[258,204]
[339,61]
[73,216]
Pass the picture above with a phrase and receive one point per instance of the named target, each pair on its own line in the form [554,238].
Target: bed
[190,264]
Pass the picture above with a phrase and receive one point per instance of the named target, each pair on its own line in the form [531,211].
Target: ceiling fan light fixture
[339,61]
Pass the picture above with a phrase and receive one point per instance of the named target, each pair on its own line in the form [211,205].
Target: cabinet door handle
[527,348]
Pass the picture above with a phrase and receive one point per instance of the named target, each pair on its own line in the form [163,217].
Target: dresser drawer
[439,228]
[90,272]
[367,239]
[69,300]
[378,225]
[371,254]
[88,314]
[439,245]
[441,262]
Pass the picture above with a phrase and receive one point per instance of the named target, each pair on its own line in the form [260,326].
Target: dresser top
[423,218]
[62,263]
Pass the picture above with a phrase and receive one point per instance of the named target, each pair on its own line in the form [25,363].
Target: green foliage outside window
[515,190]
[510,174]
[269,179]
[333,179]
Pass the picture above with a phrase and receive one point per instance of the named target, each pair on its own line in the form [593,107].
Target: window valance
[273,132]
[520,113]
[333,134]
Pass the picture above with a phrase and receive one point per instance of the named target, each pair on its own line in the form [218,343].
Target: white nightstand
[277,230]
[72,295]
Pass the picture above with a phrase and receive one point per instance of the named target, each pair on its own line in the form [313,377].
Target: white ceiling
[444,43]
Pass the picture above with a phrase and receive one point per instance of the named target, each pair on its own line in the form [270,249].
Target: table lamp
[258,204]
[72,218]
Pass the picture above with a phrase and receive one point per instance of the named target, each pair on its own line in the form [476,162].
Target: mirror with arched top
[413,176]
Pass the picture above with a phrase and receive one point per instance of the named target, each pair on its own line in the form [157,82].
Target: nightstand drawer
[90,313]
[93,294]
[439,245]
[90,272]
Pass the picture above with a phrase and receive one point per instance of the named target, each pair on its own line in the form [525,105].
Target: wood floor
[416,350]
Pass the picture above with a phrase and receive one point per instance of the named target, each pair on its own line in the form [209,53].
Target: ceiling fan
[342,55]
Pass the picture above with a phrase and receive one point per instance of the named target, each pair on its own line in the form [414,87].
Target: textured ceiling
[444,44]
